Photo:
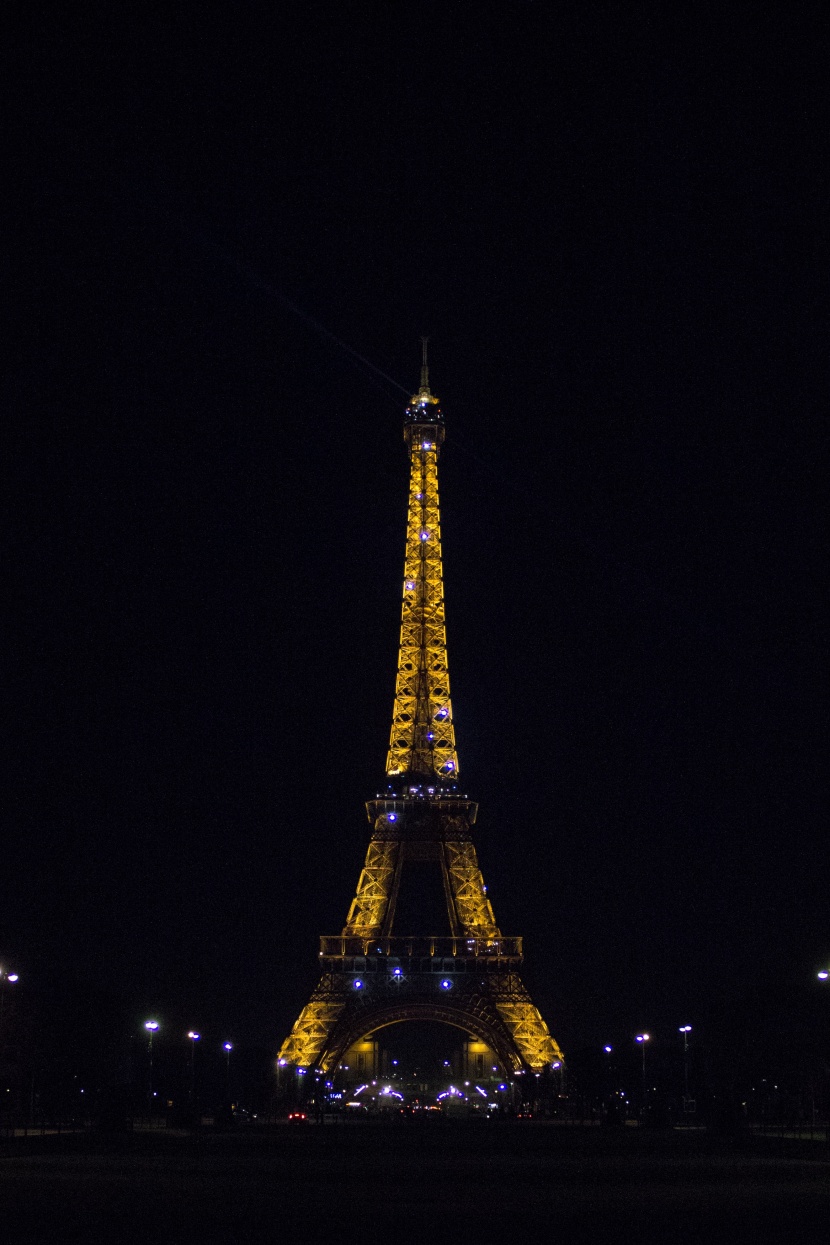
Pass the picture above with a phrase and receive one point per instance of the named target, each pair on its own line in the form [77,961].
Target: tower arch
[465,1017]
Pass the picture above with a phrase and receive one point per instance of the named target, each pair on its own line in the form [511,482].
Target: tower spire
[422,743]
[424,390]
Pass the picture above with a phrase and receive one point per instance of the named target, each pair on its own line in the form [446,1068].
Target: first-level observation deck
[433,953]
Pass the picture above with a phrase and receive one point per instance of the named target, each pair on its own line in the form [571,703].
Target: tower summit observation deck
[373,973]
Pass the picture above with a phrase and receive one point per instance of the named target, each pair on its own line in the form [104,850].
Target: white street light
[152,1027]
[4,977]
[643,1038]
[685,1030]
[194,1038]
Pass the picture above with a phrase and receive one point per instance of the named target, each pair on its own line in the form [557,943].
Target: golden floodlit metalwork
[372,974]
[423,737]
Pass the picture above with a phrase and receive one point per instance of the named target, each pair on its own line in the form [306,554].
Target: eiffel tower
[373,973]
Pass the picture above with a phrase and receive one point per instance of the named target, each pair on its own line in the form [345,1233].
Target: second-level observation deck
[418,812]
[405,790]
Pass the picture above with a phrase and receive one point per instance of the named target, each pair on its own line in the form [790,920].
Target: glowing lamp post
[608,1068]
[152,1028]
[685,1030]
[4,977]
[194,1038]
[227,1047]
[643,1038]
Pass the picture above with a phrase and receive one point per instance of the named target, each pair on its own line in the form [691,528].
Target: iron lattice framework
[373,976]
[423,737]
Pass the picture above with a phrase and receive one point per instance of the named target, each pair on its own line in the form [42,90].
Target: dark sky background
[227,235]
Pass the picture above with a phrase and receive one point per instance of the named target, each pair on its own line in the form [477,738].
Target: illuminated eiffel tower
[373,973]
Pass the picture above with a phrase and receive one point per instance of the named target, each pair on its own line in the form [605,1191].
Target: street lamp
[227,1047]
[194,1038]
[685,1030]
[643,1038]
[152,1027]
[4,977]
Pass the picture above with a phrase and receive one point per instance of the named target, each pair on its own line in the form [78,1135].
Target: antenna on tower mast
[424,368]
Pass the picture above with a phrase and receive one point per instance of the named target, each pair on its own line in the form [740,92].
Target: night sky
[227,236]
